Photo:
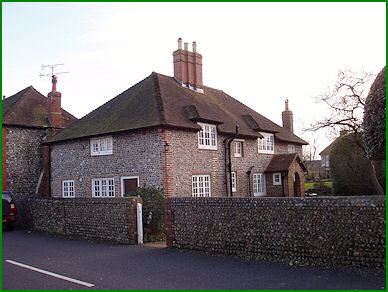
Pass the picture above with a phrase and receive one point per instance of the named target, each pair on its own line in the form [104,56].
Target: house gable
[29,108]
[283,162]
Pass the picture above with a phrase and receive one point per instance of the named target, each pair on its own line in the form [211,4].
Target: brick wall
[339,231]
[105,219]
[22,164]
[134,154]
[282,148]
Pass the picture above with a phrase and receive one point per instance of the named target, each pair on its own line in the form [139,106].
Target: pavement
[36,261]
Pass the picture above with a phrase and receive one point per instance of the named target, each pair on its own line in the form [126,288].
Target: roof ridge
[159,99]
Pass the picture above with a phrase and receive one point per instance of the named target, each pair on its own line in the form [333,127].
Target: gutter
[228,166]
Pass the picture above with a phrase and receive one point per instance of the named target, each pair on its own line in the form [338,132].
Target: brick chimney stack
[54,109]
[188,67]
[287,118]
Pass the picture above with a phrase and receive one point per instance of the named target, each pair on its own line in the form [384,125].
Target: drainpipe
[249,179]
[228,167]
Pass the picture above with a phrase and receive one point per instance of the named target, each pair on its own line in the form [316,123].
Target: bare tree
[345,100]
[309,157]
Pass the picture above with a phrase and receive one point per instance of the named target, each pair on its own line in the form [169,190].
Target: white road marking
[50,273]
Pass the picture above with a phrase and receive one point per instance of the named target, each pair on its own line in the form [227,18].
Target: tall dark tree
[374,119]
[346,100]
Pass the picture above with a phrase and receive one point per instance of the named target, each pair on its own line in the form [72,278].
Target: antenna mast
[53,74]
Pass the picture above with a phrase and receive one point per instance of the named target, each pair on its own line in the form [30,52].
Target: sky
[259,53]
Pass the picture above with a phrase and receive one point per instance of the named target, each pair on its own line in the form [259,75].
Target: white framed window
[68,188]
[234,181]
[201,186]
[291,148]
[207,136]
[103,187]
[267,143]
[325,160]
[277,179]
[259,184]
[101,146]
[238,149]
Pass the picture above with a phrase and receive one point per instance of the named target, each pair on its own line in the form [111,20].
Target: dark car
[10,213]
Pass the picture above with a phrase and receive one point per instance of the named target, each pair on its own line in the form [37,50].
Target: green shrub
[153,212]
[349,168]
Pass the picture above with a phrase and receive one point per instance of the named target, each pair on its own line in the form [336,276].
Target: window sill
[206,148]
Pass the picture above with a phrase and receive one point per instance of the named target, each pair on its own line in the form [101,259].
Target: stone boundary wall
[324,231]
[102,219]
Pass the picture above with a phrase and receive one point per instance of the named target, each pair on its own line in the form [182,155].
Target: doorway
[297,190]
[129,184]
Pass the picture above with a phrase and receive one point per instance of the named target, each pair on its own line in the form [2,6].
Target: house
[179,134]
[28,117]
[325,153]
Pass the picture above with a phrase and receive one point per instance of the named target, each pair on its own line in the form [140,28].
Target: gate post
[139,214]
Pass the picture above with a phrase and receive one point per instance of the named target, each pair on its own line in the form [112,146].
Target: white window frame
[101,146]
[259,189]
[207,136]
[201,185]
[234,181]
[106,187]
[240,148]
[267,144]
[127,177]
[68,189]
[275,181]
[291,148]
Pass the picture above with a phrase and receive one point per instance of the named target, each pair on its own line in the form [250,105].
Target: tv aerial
[53,74]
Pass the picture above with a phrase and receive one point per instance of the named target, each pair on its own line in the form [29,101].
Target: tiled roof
[159,100]
[327,150]
[28,108]
[282,162]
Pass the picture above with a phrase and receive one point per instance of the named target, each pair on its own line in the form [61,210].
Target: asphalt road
[123,267]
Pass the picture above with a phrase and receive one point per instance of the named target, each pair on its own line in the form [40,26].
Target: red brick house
[28,117]
[179,134]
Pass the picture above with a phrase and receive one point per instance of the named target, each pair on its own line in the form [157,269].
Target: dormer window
[207,136]
[267,143]
[101,146]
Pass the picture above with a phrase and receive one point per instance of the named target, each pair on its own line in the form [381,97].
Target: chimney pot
[54,81]
[3,96]
[286,102]
[188,67]
[180,44]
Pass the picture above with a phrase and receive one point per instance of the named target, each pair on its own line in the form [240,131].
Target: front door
[129,185]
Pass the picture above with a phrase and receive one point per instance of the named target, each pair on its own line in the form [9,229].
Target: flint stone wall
[335,231]
[101,219]
[22,165]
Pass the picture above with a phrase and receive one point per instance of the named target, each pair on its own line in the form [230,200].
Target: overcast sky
[259,53]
